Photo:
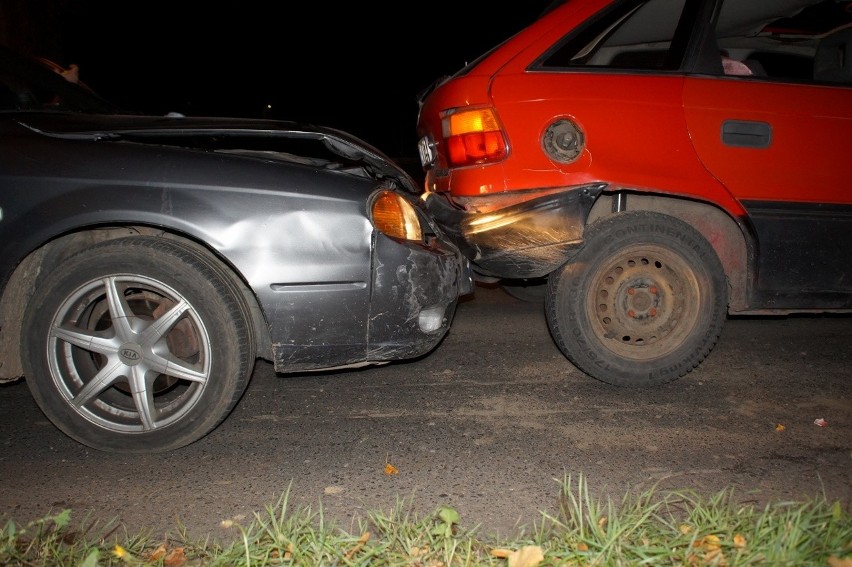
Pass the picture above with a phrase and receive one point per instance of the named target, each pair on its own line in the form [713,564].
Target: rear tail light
[394,216]
[473,136]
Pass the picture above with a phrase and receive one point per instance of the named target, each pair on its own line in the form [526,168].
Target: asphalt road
[488,423]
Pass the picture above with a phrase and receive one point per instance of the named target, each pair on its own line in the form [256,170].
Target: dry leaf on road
[527,556]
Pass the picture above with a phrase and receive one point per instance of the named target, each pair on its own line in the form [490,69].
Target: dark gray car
[146,261]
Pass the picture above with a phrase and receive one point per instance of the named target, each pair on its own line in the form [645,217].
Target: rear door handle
[746,134]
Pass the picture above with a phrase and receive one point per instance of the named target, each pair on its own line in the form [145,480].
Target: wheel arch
[20,286]
[731,238]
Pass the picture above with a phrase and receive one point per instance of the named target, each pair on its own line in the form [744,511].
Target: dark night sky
[355,68]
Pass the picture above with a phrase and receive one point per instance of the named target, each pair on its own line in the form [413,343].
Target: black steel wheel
[137,345]
[643,303]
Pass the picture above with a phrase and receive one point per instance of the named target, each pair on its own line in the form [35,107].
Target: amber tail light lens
[473,136]
[394,216]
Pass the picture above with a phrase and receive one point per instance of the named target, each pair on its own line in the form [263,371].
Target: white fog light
[431,319]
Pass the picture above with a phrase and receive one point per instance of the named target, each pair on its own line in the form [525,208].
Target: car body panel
[780,166]
[769,152]
[176,194]
[804,254]
[801,215]
[529,239]
[282,206]
[646,147]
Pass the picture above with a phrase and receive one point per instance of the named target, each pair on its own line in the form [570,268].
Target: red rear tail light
[473,136]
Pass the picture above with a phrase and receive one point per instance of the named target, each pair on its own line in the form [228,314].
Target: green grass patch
[652,528]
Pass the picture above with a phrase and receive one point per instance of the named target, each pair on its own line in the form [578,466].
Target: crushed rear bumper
[526,239]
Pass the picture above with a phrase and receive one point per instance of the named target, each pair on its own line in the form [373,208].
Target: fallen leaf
[739,541]
[91,560]
[157,554]
[361,541]
[527,556]
[715,557]
[389,468]
[685,529]
[582,547]
[712,542]
[448,515]
[708,543]
[175,558]
[780,427]
[418,551]
[838,562]
[501,553]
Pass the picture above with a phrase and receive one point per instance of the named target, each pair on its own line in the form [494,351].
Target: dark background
[353,66]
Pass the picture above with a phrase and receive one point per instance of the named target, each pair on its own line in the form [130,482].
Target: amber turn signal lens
[472,121]
[395,217]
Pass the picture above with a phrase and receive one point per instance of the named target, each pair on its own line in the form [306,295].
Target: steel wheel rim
[644,303]
[129,353]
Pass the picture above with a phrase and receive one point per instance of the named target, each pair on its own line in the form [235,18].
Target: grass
[653,528]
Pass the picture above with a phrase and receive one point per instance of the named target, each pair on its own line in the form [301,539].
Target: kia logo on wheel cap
[130,354]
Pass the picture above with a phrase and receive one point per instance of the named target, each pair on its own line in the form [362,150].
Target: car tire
[529,291]
[143,315]
[643,303]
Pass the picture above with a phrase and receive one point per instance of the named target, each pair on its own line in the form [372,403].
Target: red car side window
[633,35]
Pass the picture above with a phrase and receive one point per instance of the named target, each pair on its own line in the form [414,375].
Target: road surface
[488,423]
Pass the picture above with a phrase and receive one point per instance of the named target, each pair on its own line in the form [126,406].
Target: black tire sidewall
[568,290]
[178,267]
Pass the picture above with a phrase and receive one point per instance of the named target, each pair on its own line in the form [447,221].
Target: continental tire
[137,345]
[642,304]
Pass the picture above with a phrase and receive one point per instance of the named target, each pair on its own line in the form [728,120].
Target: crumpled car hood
[303,143]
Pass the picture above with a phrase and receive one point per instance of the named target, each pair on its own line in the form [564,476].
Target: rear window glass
[627,35]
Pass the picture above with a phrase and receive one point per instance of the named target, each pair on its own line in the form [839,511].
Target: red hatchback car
[660,164]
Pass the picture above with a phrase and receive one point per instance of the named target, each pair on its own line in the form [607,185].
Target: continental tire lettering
[672,232]
[588,351]
[689,363]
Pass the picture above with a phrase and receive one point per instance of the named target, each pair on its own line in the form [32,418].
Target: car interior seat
[833,58]
[756,67]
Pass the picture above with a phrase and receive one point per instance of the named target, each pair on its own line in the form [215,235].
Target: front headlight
[392,215]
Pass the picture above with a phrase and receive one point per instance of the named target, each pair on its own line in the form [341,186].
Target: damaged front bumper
[526,239]
[404,312]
